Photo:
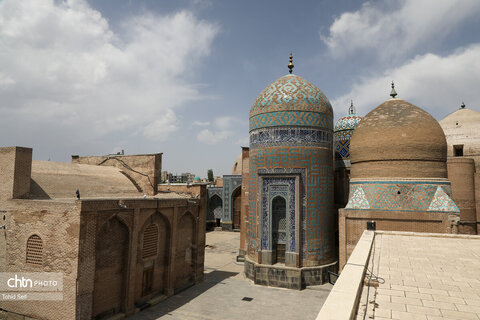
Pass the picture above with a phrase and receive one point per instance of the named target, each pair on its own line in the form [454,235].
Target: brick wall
[179,259]
[111,258]
[144,170]
[15,172]
[57,224]
[244,202]
[461,175]
[98,246]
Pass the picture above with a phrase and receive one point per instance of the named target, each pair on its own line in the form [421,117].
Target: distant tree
[210,175]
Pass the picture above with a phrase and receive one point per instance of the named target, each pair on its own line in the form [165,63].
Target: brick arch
[185,251]
[111,254]
[155,265]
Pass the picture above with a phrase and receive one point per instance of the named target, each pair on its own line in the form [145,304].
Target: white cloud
[224,122]
[201,123]
[224,128]
[62,67]
[435,83]
[227,122]
[161,128]
[388,29]
[209,137]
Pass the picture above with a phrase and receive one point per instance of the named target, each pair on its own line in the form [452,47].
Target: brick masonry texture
[143,170]
[97,243]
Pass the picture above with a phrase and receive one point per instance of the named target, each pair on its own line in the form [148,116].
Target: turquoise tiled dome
[291,101]
[343,131]
[347,123]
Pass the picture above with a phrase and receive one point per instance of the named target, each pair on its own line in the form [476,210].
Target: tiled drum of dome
[401,196]
[291,127]
[343,133]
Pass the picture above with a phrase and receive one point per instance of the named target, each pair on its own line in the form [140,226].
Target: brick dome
[398,139]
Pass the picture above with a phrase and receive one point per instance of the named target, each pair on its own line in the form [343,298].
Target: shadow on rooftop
[176,301]
[37,192]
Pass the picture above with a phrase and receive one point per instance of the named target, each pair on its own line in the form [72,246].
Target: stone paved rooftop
[423,276]
[220,295]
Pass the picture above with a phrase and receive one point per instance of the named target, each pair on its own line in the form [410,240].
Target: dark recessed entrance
[279,228]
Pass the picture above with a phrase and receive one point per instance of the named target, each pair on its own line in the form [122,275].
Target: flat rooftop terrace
[415,276]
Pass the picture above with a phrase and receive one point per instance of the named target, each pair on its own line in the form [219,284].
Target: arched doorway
[215,207]
[236,207]
[111,253]
[184,254]
[279,228]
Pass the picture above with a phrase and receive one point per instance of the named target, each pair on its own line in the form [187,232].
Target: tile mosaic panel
[214,210]
[343,148]
[288,136]
[442,202]
[230,183]
[292,118]
[347,123]
[318,218]
[401,196]
[271,188]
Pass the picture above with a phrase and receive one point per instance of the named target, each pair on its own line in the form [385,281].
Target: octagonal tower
[291,210]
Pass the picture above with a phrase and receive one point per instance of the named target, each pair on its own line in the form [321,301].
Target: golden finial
[290,65]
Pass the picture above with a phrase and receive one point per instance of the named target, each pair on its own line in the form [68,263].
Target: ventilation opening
[458,150]
[34,250]
[247,299]
[150,241]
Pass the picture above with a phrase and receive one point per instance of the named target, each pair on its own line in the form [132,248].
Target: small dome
[347,123]
[237,166]
[197,178]
[398,139]
[291,93]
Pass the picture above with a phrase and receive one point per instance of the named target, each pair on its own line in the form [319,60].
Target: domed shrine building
[342,135]
[462,130]
[398,155]
[291,218]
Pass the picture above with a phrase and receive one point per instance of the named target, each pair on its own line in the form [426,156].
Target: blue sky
[179,77]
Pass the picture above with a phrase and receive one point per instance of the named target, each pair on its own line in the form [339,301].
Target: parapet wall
[352,223]
[143,170]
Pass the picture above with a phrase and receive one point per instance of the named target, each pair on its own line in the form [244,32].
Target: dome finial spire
[393,93]
[463,105]
[290,64]
[351,110]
